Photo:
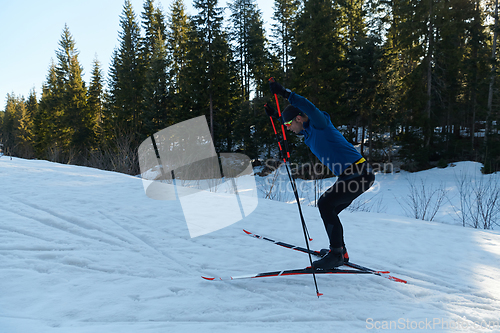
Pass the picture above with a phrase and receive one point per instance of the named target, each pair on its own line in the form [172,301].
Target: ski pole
[286,157]
[277,138]
[286,152]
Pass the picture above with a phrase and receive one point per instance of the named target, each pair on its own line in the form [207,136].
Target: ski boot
[324,252]
[333,259]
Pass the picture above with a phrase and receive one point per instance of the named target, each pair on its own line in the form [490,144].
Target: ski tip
[319,294]
[247,232]
[397,279]
[208,278]
[390,277]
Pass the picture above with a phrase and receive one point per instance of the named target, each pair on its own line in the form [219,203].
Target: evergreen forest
[414,81]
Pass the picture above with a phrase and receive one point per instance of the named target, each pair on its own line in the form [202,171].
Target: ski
[384,274]
[300,271]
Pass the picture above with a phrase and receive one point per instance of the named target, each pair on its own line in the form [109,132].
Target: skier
[355,176]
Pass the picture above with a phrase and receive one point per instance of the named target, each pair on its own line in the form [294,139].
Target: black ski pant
[340,196]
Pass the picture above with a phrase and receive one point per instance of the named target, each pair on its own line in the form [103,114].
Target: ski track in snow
[84,250]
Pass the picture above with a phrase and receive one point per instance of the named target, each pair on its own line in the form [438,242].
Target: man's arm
[316,117]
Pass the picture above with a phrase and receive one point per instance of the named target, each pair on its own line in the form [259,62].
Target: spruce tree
[261,61]
[210,86]
[318,54]
[155,90]
[177,44]
[361,58]
[76,121]
[476,67]
[153,23]
[126,78]
[14,109]
[241,13]
[47,127]
[208,23]
[2,113]
[254,64]
[250,46]
[155,93]
[26,126]
[96,98]
[285,12]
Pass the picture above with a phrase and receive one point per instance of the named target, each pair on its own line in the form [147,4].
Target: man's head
[294,119]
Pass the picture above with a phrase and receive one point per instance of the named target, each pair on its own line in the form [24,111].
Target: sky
[30,32]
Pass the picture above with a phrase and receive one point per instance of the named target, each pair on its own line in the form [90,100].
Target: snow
[85,250]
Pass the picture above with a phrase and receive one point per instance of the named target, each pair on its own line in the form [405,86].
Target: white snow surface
[85,250]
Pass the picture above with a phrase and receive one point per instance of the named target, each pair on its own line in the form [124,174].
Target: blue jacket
[324,140]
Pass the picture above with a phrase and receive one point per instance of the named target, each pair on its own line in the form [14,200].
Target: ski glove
[271,112]
[278,89]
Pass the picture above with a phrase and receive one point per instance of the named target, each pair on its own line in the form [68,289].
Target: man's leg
[336,199]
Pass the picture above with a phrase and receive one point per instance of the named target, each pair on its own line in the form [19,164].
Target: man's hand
[278,89]
[271,112]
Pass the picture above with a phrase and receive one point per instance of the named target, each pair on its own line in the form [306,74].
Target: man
[355,175]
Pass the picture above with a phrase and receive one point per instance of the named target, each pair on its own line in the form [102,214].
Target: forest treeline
[414,80]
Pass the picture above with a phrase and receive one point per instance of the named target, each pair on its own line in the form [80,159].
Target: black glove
[278,89]
[271,112]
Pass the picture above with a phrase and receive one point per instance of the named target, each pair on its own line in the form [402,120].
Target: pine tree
[208,24]
[250,42]
[209,86]
[76,120]
[47,127]
[262,61]
[416,42]
[283,32]
[155,90]
[26,126]
[352,27]
[2,113]
[318,54]
[63,126]
[492,75]
[365,86]
[14,109]
[453,44]
[96,97]
[155,113]
[153,23]
[126,77]
[177,43]
[391,65]
[255,65]
[241,13]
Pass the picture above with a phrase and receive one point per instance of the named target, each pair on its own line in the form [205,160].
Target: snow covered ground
[392,192]
[85,250]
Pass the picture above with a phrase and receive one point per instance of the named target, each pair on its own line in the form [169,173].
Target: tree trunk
[492,78]
[429,75]
[363,140]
